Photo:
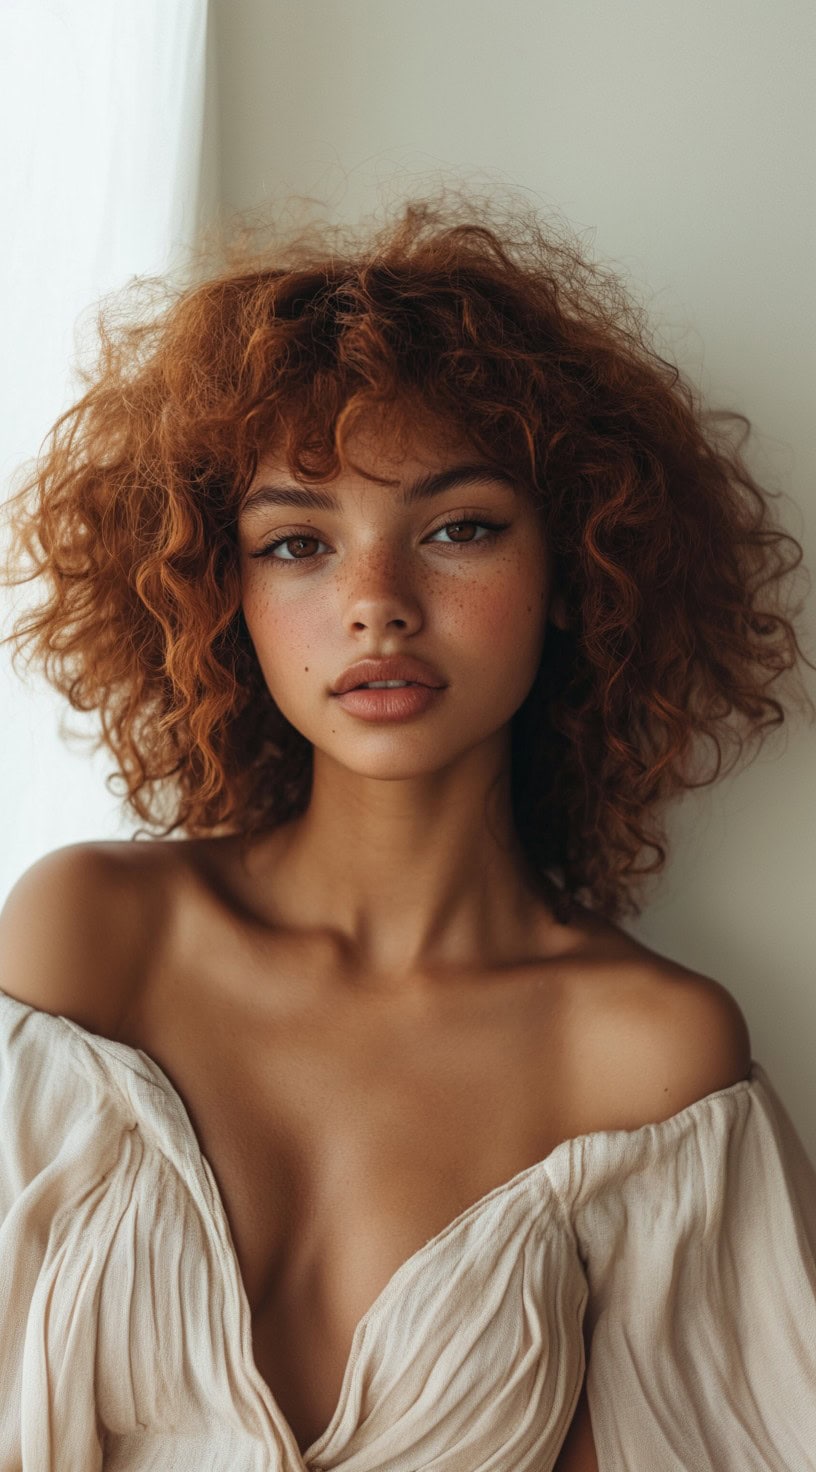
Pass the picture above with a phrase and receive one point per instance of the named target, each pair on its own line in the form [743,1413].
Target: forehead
[412,441]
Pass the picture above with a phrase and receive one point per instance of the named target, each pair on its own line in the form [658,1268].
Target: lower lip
[389,705]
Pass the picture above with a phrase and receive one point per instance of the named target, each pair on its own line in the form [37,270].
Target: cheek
[502,611]
[281,632]
[507,609]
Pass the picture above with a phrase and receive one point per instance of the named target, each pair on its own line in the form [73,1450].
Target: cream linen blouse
[690,1245]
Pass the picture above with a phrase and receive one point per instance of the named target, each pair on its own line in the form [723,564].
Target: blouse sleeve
[55,1149]
[124,1335]
[698,1238]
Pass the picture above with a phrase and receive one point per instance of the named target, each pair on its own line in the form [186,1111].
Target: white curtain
[105,163]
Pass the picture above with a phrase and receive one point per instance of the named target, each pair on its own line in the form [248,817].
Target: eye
[493,529]
[284,542]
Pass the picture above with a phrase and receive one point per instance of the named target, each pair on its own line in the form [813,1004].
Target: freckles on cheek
[499,610]
[262,612]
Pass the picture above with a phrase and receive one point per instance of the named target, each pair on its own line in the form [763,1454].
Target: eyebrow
[432,484]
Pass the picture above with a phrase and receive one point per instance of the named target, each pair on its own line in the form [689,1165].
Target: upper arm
[71,941]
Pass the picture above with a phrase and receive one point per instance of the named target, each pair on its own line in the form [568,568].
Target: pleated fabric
[689,1247]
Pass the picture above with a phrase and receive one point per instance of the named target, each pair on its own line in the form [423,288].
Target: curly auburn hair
[665,551]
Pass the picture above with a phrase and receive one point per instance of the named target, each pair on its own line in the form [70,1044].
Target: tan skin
[398,810]
[395,1017]
[371,1015]
[345,1125]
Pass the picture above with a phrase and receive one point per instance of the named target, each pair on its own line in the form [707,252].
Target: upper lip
[396,667]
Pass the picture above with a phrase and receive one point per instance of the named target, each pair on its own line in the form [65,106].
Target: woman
[338,1129]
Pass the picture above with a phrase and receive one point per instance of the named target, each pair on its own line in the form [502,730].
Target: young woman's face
[368,574]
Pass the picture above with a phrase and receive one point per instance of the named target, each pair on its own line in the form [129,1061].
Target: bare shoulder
[648,1036]
[75,931]
[682,1035]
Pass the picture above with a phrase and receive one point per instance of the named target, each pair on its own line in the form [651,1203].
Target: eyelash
[494,530]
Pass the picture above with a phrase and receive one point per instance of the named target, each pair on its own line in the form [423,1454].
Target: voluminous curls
[665,550]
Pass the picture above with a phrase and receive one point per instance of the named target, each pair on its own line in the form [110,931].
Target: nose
[379,594]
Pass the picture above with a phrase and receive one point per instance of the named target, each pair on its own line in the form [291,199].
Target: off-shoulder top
[686,1248]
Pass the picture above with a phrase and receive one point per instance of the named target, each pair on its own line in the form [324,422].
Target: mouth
[380,686]
[390,703]
[387,684]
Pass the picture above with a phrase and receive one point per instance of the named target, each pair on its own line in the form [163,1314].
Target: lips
[395,667]
[381,685]
[401,703]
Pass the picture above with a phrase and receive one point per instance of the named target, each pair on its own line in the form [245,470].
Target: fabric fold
[699,1242]
[686,1249]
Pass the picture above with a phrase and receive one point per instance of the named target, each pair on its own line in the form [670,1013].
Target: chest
[344,1137]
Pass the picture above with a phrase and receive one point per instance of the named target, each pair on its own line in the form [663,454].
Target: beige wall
[680,137]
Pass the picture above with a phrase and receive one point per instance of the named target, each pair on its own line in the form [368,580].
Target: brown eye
[491,529]
[297,540]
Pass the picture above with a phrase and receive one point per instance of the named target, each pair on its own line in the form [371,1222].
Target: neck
[412,876]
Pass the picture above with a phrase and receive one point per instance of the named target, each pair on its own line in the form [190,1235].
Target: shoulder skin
[75,933]
[684,1036]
